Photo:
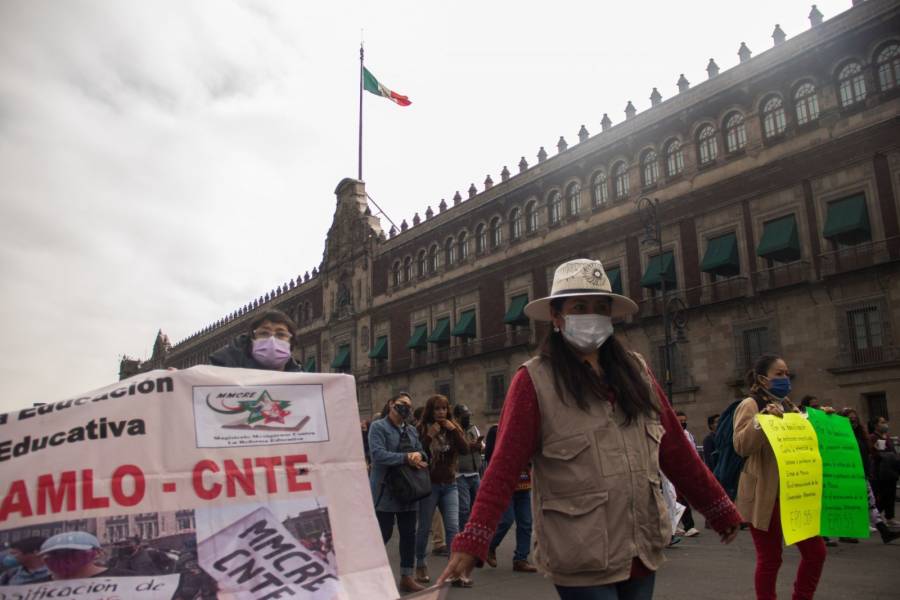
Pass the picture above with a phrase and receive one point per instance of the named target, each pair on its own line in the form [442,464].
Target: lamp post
[674,311]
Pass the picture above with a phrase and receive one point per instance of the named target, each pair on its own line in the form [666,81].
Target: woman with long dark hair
[443,441]
[757,496]
[598,429]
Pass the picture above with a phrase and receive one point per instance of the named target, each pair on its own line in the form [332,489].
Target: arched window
[649,168]
[706,144]
[515,223]
[531,217]
[462,246]
[395,274]
[620,180]
[480,238]
[773,117]
[573,198]
[433,258]
[407,269]
[851,84]
[806,103]
[496,233]
[888,63]
[674,158]
[735,132]
[420,264]
[553,208]
[599,189]
[450,251]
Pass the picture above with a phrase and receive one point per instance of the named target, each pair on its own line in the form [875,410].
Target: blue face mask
[10,561]
[780,386]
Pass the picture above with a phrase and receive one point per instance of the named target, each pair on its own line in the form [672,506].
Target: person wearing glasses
[267,345]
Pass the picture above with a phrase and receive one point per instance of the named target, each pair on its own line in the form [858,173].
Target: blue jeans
[446,496]
[519,509]
[468,488]
[632,589]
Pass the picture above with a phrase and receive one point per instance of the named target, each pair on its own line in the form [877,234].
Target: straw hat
[580,277]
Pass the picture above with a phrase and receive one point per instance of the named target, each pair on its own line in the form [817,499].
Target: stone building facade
[777,182]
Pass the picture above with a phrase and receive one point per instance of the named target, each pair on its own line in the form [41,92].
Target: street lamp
[674,310]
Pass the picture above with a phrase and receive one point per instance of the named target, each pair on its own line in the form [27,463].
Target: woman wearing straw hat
[597,429]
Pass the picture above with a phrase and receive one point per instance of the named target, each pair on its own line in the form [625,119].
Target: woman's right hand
[774,410]
[434,429]
[415,460]
[459,566]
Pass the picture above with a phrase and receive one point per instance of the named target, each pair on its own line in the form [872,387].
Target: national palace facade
[777,182]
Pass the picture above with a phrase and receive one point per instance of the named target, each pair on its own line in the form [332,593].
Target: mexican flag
[376,87]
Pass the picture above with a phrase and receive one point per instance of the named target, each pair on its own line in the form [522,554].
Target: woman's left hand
[729,534]
[828,410]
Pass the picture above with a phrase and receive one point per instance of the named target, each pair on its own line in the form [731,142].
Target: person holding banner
[757,497]
[597,428]
[266,345]
[388,437]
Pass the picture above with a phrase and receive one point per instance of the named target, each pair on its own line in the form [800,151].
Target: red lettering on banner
[215,489]
[15,501]
[293,473]
[245,480]
[88,499]
[118,491]
[48,492]
[269,463]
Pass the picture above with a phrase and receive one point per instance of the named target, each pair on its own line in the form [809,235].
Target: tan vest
[597,497]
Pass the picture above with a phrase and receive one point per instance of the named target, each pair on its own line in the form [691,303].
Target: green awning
[515,314]
[441,333]
[615,279]
[379,350]
[661,268]
[342,359]
[465,327]
[418,340]
[780,241]
[848,221]
[721,257]
[310,365]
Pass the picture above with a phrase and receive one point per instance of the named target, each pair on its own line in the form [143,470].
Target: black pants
[886,496]
[406,525]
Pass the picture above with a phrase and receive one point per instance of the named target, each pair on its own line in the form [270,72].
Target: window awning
[515,314]
[615,279]
[418,340]
[441,333]
[465,327]
[310,365]
[721,257]
[342,359]
[780,241]
[660,268]
[379,350]
[848,221]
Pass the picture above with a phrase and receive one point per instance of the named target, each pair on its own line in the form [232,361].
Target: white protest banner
[161,587]
[164,472]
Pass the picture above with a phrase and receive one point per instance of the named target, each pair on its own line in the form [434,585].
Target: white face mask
[586,333]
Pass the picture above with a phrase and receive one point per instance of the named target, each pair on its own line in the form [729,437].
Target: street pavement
[701,568]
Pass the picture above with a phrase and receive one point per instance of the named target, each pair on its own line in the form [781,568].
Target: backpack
[728,468]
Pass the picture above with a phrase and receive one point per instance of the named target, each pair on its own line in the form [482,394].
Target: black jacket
[237,354]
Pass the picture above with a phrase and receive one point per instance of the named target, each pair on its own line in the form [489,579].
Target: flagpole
[360,108]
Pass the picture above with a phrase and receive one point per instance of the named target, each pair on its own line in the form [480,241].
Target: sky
[163,163]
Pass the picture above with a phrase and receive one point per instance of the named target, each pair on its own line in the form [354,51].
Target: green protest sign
[845,505]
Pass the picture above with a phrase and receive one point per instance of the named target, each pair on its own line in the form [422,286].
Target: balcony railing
[653,306]
[724,289]
[863,357]
[782,275]
[437,355]
[859,256]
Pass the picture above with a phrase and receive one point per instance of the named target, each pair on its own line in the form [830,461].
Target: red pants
[768,561]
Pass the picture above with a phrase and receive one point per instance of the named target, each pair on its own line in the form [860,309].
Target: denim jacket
[384,442]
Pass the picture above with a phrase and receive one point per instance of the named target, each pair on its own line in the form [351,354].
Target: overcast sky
[163,163]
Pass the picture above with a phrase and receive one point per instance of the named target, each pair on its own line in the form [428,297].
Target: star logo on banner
[265,409]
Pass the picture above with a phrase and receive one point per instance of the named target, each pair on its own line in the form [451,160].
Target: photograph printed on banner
[284,548]
[259,415]
[147,556]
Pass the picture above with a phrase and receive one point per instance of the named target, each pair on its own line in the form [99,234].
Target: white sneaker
[691,532]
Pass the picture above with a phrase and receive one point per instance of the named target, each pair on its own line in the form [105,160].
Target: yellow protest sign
[799,472]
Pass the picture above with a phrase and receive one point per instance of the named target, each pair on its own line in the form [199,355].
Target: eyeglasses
[264,334]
